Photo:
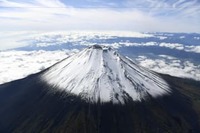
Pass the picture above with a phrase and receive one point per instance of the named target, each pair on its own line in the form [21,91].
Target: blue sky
[132,15]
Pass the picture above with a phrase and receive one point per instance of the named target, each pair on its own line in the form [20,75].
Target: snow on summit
[100,74]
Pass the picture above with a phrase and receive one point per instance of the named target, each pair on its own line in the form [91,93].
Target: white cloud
[167,57]
[171,65]
[195,49]
[15,39]
[84,37]
[44,39]
[162,37]
[139,44]
[197,38]
[172,45]
[179,8]
[55,15]
[19,64]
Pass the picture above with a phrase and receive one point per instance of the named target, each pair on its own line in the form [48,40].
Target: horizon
[17,39]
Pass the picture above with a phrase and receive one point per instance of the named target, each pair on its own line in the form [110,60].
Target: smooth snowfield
[100,74]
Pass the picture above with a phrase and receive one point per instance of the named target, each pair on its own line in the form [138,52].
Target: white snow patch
[101,74]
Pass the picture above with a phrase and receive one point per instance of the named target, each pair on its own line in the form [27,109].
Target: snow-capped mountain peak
[101,74]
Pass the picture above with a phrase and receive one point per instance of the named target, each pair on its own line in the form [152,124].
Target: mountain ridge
[32,105]
[101,73]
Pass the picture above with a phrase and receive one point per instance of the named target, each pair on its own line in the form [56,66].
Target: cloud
[14,39]
[136,15]
[171,65]
[197,38]
[88,38]
[44,39]
[181,8]
[19,64]
[172,45]
[177,46]
[195,49]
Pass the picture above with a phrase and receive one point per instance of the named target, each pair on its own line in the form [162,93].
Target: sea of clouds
[16,63]
[19,64]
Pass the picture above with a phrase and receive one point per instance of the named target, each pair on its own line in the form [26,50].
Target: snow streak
[100,74]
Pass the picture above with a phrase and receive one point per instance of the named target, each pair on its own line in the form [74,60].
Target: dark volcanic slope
[26,106]
[32,105]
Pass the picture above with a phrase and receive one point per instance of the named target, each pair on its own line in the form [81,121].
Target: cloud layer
[46,39]
[175,54]
[171,65]
[19,64]
[137,15]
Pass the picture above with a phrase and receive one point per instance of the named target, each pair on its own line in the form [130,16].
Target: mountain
[100,74]
[100,91]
